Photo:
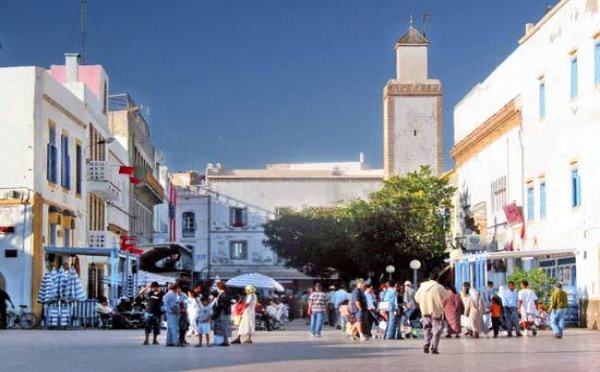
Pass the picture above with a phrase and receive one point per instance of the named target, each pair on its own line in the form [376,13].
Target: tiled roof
[413,36]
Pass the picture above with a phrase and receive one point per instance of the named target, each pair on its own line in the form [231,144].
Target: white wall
[17,85]
[411,63]
[415,134]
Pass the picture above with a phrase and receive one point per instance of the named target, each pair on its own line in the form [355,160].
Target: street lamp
[415,265]
[390,269]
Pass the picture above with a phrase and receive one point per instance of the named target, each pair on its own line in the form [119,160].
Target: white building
[526,134]
[51,194]
[222,218]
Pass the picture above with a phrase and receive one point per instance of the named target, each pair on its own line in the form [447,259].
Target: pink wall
[91,76]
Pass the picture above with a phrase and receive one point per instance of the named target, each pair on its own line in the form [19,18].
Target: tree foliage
[538,281]
[402,221]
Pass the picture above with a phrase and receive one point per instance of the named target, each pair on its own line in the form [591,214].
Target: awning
[87,251]
[565,252]
[165,258]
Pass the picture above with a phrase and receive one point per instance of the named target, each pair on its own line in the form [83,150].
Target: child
[543,319]
[345,313]
[496,314]
[205,313]
[351,329]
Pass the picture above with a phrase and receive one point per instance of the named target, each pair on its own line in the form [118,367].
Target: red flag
[126,170]
[523,231]
[134,180]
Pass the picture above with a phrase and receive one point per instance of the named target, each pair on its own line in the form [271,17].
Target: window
[597,62]
[238,216]
[530,205]
[542,99]
[574,76]
[188,224]
[52,235]
[498,188]
[575,188]
[52,155]
[78,165]
[238,250]
[65,174]
[67,233]
[104,98]
[542,199]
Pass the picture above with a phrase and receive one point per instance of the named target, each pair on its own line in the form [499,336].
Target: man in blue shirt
[172,311]
[358,307]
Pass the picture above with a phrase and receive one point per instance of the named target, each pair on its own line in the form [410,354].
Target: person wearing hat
[248,322]
[152,313]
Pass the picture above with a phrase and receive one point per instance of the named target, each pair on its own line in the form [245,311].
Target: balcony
[102,180]
[149,189]
[102,239]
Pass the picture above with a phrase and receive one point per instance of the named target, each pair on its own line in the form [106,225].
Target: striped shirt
[318,301]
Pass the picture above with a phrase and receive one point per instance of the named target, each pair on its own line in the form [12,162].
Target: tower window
[415,132]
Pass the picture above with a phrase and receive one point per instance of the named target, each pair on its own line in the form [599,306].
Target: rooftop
[412,37]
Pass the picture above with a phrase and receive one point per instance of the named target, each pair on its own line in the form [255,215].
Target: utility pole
[82,8]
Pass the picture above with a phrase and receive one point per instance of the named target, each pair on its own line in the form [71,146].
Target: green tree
[400,222]
[538,281]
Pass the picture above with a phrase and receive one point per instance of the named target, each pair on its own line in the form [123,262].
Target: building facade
[129,127]
[223,216]
[48,176]
[525,138]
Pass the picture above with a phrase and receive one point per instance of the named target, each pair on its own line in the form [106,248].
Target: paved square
[294,350]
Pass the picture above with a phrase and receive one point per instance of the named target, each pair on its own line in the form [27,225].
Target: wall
[415,133]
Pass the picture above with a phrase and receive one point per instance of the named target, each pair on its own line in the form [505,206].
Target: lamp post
[415,265]
[390,269]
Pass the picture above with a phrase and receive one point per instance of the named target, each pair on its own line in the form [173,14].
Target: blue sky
[251,82]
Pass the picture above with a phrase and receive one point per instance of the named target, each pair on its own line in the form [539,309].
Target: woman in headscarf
[222,315]
[474,311]
[453,309]
[248,322]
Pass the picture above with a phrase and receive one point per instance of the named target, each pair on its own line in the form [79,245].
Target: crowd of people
[397,311]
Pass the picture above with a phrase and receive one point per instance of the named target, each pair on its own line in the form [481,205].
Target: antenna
[82,7]
[411,21]
[426,18]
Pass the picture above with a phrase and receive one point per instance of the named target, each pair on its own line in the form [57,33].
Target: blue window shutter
[597,63]
[576,188]
[542,199]
[542,100]
[49,162]
[78,169]
[530,206]
[574,78]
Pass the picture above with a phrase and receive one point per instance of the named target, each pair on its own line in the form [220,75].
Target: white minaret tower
[413,116]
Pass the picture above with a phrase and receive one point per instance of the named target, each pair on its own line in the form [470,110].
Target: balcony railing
[102,239]
[102,179]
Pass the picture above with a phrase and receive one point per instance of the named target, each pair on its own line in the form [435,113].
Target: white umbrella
[53,290]
[76,286]
[44,291]
[257,280]
[65,292]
